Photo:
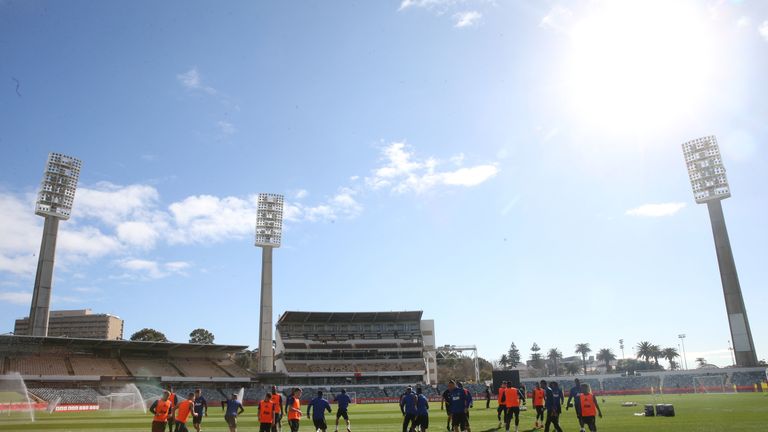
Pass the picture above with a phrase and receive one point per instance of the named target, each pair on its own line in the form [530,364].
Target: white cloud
[142,234]
[192,80]
[559,18]
[743,22]
[152,269]
[17,298]
[467,19]
[656,210]
[763,30]
[205,218]
[425,4]
[226,127]
[114,204]
[403,172]
[341,205]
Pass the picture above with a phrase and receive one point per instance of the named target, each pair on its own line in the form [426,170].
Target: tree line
[550,362]
[197,336]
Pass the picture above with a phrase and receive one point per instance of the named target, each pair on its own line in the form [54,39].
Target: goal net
[120,401]
[352,397]
[709,384]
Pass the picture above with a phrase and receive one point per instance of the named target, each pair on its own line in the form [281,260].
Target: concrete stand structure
[710,186]
[269,229]
[54,202]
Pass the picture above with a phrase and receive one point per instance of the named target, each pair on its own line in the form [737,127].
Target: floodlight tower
[710,186]
[54,203]
[269,229]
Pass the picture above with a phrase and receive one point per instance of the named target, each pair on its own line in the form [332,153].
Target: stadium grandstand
[356,348]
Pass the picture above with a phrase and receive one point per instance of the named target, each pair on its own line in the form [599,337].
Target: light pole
[54,203]
[269,230]
[730,349]
[710,186]
[621,345]
[682,342]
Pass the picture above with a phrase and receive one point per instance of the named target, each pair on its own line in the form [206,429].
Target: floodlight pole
[741,334]
[265,315]
[41,295]
[269,229]
[54,202]
[682,341]
[710,186]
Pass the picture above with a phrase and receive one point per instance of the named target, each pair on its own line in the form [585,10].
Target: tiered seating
[97,366]
[747,378]
[630,383]
[213,396]
[149,392]
[66,396]
[38,366]
[150,367]
[232,368]
[678,381]
[198,368]
[350,366]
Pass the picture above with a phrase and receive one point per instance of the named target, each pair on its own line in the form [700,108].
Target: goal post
[710,384]
[352,397]
[120,402]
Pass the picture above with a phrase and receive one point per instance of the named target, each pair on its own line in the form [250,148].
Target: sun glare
[639,64]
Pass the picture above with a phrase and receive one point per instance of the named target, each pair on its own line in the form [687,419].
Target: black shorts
[342,413]
[294,424]
[197,419]
[231,421]
[278,417]
[422,420]
[158,426]
[459,420]
[320,424]
[265,427]
[181,427]
[512,411]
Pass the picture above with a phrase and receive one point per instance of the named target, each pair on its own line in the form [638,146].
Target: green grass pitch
[705,413]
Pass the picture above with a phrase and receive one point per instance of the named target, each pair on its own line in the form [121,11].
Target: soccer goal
[352,397]
[710,384]
[121,402]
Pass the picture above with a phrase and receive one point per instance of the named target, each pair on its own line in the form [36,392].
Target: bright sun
[639,64]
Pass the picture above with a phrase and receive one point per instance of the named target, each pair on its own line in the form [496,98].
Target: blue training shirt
[232,407]
[458,401]
[554,399]
[408,403]
[318,406]
[469,398]
[422,405]
[201,405]
[343,400]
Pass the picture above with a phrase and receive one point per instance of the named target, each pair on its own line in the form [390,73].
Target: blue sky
[512,168]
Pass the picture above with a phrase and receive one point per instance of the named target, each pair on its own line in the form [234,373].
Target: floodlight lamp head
[269,220]
[705,169]
[57,190]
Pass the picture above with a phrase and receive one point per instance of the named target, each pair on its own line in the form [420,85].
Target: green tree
[148,335]
[201,336]
[583,349]
[645,351]
[572,368]
[656,353]
[554,355]
[606,356]
[701,362]
[670,354]
[630,366]
[513,355]
[536,362]
[504,361]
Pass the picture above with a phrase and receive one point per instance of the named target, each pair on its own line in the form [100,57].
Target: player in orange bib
[501,408]
[266,413]
[182,411]
[587,407]
[277,400]
[160,409]
[512,399]
[293,408]
[538,404]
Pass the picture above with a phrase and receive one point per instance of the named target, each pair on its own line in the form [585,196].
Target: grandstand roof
[337,317]
[19,341]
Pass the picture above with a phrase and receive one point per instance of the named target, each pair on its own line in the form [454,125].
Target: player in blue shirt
[408,408]
[201,409]
[318,406]
[553,401]
[422,410]
[468,403]
[457,406]
[572,394]
[343,400]
[233,409]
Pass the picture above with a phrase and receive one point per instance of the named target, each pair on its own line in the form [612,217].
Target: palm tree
[583,349]
[607,356]
[572,368]
[554,355]
[701,361]
[645,350]
[656,353]
[670,354]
